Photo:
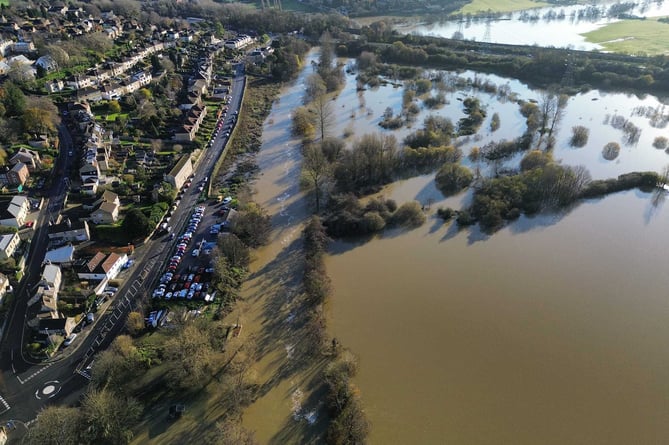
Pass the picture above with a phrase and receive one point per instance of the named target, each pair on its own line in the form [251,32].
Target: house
[8,244]
[191,125]
[180,173]
[4,286]
[89,171]
[54,86]
[29,157]
[106,213]
[89,94]
[23,47]
[60,255]
[47,63]
[39,141]
[79,81]
[13,211]
[57,326]
[18,174]
[106,209]
[51,276]
[90,187]
[68,231]
[101,267]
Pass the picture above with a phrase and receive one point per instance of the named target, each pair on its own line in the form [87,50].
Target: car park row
[195,281]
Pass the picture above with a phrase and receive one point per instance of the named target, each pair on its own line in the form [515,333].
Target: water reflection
[560,27]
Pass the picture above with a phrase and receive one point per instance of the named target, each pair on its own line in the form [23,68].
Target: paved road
[26,387]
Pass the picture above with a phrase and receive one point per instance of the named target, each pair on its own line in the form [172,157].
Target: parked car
[196,252]
[227,200]
[68,341]
[90,318]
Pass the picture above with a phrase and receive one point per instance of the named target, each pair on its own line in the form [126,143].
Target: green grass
[477,6]
[637,37]
[112,117]
[4,2]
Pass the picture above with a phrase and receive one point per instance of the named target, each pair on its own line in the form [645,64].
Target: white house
[51,276]
[47,63]
[8,244]
[102,267]
[13,211]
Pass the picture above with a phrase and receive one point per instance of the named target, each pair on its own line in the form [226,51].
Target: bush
[579,136]
[535,159]
[446,213]
[409,214]
[660,142]
[611,151]
[451,178]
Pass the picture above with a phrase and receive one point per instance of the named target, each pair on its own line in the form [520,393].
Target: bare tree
[316,171]
[324,114]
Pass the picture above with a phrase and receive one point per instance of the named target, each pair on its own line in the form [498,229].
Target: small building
[60,255]
[18,174]
[105,213]
[180,173]
[29,157]
[57,326]
[51,276]
[54,86]
[101,267]
[13,211]
[8,244]
[69,231]
[4,286]
[47,63]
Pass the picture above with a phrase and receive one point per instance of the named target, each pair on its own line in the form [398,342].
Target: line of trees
[348,423]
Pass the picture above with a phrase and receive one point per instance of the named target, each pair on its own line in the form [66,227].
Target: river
[551,331]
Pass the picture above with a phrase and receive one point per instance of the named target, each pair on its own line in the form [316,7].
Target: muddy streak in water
[283,413]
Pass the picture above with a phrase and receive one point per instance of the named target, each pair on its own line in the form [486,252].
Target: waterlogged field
[648,37]
[477,6]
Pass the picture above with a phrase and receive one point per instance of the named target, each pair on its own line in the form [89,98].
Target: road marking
[84,374]
[5,404]
[35,374]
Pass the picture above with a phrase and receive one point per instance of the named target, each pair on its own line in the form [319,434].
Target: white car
[68,341]
[196,252]
[227,200]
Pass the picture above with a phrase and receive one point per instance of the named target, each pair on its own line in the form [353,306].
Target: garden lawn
[477,6]
[637,37]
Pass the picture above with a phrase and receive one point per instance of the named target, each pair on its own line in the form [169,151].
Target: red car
[30,223]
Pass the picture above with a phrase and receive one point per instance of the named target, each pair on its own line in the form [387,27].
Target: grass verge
[637,37]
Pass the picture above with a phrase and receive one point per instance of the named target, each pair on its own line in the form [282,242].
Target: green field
[477,6]
[633,37]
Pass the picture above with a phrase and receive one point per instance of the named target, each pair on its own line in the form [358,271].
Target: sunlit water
[541,27]
[551,331]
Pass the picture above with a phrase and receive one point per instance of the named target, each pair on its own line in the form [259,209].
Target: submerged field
[500,6]
[649,37]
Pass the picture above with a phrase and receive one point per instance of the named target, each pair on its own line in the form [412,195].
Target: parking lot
[188,272]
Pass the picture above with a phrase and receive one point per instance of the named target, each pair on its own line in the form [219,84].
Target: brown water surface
[548,332]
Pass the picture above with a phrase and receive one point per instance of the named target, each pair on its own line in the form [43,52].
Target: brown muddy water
[552,331]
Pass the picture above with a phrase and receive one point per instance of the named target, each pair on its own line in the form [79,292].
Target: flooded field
[551,331]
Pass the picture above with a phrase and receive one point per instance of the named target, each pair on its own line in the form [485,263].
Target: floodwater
[283,413]
[560,27]
[551,331]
